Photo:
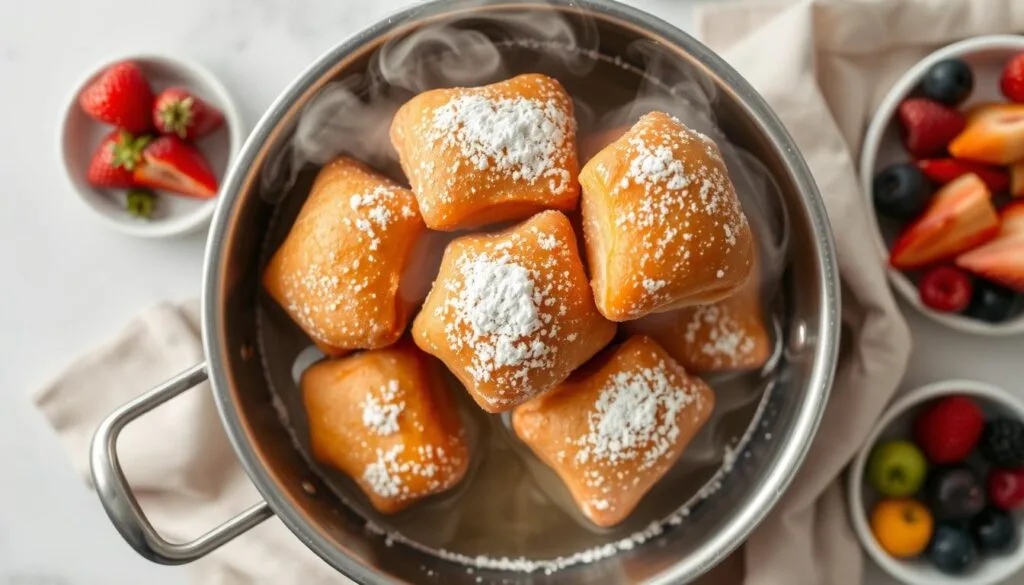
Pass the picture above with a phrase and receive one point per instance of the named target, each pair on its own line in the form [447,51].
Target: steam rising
[469,51]
[352,115]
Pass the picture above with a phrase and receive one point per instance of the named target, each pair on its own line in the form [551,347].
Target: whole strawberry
[929,126]
[113,164]
[179,111]
[949,429]
[1012,80]
[120,96]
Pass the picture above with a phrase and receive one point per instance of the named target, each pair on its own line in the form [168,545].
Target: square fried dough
[614,429]
[338,270]
[511,313]
[663,226]
[385,419]
[477,156]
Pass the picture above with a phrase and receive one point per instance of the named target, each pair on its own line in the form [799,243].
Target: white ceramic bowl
[882,146]
[175,215]
[896,423]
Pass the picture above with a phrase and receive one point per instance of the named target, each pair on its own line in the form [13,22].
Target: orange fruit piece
[902,527]
[994,135]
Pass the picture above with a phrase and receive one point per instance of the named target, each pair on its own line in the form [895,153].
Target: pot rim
[711,551]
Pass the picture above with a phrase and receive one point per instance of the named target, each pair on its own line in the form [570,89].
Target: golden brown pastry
[729,335]
[664,228]
[385,419]
[337,272]
[476,156]
[510,313]
[612,430]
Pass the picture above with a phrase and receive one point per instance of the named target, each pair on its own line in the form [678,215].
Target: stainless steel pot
[714,528]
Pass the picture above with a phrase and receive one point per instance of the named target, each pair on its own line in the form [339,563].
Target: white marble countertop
[71,283]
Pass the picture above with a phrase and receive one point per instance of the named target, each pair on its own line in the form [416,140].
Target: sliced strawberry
[995,135]
[1017,179]
[121,97]
[944,170]
[1002,259]
[181,112]
[960,217]
[928,126]
[118,154]
[172,165]
[1012,79]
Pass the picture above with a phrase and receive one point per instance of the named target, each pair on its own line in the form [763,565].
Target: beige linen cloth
[823,65]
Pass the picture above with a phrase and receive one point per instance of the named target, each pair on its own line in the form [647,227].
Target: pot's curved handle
[120,502]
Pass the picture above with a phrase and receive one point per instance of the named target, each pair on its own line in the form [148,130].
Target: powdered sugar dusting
[517,136]
[635,417]
[384,476]
[655,166]
[547,241]
[376,215]
[387,475]
[498,300]
[380,411]
[724,341]
[653,286]
[524,565]
[688,210]
[501,309]
[499,305]
[323,293]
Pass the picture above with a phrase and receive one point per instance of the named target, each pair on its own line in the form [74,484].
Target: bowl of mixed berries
[936,494]
[942,166]
[145,142]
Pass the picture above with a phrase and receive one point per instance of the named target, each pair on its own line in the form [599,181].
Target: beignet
[476,156]
[614,429]
[510,313]
[729,335]
[663,226]
[385,419]
[337,272]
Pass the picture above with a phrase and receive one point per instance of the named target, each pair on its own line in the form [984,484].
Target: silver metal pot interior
[252,208]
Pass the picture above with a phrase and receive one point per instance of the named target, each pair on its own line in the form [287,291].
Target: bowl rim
[203,213]
[855,479]
[825,339]
[869,150]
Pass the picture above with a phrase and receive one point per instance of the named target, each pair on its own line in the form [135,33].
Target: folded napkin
[822,65]
[177,458]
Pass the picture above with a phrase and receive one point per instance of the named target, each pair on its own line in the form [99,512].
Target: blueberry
[951,549]
[991,302]
[948,82]
[901,191]
[995,531]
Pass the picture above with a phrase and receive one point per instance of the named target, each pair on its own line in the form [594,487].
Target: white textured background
[68,283]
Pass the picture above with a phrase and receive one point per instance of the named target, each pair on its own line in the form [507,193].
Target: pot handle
[119,501]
